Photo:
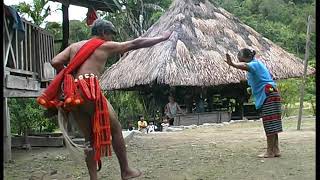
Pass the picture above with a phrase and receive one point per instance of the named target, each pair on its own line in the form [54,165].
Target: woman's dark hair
[247,53]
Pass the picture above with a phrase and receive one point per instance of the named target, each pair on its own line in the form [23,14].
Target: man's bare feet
[131,173]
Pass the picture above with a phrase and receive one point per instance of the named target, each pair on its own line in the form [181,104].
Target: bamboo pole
[306,56]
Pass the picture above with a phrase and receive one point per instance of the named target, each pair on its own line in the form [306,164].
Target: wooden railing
[29,57]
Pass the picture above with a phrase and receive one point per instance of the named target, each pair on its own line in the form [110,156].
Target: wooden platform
[38,141]
[201,118]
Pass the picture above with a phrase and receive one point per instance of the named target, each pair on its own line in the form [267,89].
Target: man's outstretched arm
[122,47]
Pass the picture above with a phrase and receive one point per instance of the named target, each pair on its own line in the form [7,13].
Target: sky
[75,12]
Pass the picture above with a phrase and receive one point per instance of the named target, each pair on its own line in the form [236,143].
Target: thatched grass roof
[195,53]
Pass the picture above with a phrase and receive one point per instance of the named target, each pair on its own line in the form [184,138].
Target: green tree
[127,104]
[27,116]
[38,10]
[78,31]
[56,30]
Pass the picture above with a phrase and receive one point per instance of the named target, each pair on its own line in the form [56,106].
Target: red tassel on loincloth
[68,89]
[85,89]
[92,87]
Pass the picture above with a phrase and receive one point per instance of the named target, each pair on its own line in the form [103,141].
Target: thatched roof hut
[195,53]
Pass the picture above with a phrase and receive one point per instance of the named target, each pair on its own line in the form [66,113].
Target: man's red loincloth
[90,88]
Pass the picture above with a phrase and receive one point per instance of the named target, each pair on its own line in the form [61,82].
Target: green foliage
[78,31]
[128,106]
[26,114]
[38,10]
[56,30]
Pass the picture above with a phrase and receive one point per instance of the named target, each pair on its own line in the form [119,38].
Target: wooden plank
[16,93]
[48,71]
[32,52]
[17,51]
[37,55]
[27,46]
[40,54]
[51,48]
[44,52]
[31,42]
[20,71]
[6,132]
[9,48]
[4,43]
[209,118]
[200,118]
[22,55]
[34,56]
[36,141]
[17,82]
[46,44]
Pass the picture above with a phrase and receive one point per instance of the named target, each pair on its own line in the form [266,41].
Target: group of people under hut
[170,110]
[76,90]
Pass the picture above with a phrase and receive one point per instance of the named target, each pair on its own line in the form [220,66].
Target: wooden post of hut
[65,26]
[7,132]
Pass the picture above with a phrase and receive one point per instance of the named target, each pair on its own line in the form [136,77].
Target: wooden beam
[110,6]
[65,27]
[16,93]
[38,141]
[19,71]
[6,132]
[18,82]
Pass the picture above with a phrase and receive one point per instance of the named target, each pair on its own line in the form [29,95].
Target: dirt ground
[207,153]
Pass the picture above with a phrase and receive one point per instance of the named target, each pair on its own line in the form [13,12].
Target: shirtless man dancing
[85,112]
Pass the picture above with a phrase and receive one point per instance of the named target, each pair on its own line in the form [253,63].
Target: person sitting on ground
[142,124]
[130,126]
[151,127]
[165,124]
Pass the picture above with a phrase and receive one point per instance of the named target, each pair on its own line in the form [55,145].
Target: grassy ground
[219,153]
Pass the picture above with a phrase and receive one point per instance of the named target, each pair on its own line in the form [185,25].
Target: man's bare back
[94,64]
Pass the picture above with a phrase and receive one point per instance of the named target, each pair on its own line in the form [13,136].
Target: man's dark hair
[247,53]
[101,26]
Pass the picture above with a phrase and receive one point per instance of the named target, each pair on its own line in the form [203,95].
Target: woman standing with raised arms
[266,97]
